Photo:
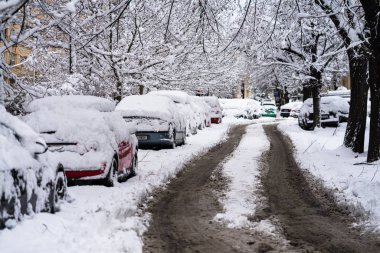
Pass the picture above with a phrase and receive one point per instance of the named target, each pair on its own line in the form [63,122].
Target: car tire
[111,178]
[61,185]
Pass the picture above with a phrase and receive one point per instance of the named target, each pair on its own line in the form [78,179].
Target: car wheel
[61,185]
[111,178]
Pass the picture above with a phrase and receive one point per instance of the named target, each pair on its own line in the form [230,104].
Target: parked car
[29,181]
[183,102]
[202,110]
[333,110]
[83,133]
[157,119]
[269,109]
[241,108]
[291,109]
[216,109]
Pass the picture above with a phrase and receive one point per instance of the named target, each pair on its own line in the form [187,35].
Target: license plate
[142,137]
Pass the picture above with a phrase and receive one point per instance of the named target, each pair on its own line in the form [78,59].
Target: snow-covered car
[29,181]
[241,108]
[333,110]
[157,119]
[216,109]
[86,136]
[269,109]
[202,110]
[290,109]
[183,102]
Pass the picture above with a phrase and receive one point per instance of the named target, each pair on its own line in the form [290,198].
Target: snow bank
[321,152]
[242,170]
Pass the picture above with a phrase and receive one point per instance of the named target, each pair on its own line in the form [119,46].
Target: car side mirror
[41,147]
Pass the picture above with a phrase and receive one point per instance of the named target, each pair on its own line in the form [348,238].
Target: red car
[86,136]
[216,109]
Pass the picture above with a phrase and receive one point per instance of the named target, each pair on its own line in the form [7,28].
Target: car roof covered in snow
[150,106]
[71,101]
[176,95]
[212,101]
[292,105]
[330,103]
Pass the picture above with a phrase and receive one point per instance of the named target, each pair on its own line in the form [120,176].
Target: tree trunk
[316,106]
[356,125]
[306,91]
[374,77]
[371,13]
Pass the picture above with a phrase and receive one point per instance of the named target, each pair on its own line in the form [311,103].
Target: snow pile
[242,170]
[321,152]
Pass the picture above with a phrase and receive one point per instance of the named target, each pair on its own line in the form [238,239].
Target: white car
[29,181]
[241,108]
[183,102]
[333,110]
[86,136]
[291,109]
[202,110]
[157,119]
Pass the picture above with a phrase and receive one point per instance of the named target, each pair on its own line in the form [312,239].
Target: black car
[29,182]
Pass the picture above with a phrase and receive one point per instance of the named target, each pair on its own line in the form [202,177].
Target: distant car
[157,120]
[291,109]
[183,102]
[216,109]
[241,108]
[29,181]
[333,110]
[202,110]
[90,140]
[269,109]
